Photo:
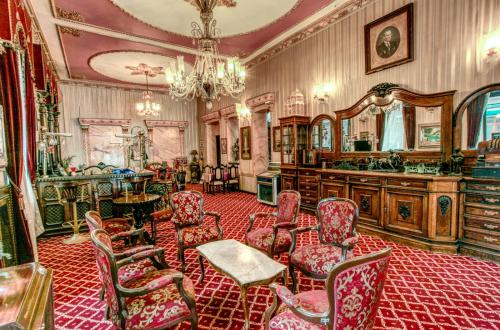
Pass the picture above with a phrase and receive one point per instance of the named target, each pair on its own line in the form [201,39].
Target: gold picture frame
[429,136]
[277,139]
[246,143]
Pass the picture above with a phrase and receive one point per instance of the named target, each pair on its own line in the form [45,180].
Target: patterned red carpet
[423,290]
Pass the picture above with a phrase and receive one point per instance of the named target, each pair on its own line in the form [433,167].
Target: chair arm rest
[299,230]
[129,234]
[254,216]
[286,296]
[216,216]
[154,285]
[163,214]
[149,253]
[350,242]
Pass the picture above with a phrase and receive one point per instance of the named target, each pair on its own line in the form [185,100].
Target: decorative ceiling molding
[335,16]
[125,86]
[225,3]
[211,117]
[259,100]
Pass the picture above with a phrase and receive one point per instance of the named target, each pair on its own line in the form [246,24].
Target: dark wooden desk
[26,297]
[142,206]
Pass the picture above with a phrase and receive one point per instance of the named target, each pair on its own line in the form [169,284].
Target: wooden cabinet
[7,227]
[368,200]
[406,212]
[308,188]
[294,139]
[480,217]
[418,210]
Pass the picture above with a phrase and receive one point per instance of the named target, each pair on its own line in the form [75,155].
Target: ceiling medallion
[212,75]
[146,107]
[226,3]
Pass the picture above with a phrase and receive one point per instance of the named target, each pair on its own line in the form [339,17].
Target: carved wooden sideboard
[418,210]
[97,195]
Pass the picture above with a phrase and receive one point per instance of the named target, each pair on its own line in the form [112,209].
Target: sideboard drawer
[308,186]
[286,171]
[308,179]
[483,186]
[309,194]
[332,177]
[477,211]
[307,172]
[309,202]
[474,222]
[363,179]
[417,184]
[493,200]
[491,239]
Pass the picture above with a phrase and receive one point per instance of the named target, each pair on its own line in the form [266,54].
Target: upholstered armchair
[188,220]
[117,228]
[337,219]
[276,239]
[350,300]
[158,299]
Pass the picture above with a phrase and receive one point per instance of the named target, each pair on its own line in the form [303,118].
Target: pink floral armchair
[158,299]
[350,301]
[188,221]
[276,239]
[337,219]
[114,226]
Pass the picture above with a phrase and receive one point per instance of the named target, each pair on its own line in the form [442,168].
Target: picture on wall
[389,40]
[246,143]
[429,135]
[223,146]
[276,139]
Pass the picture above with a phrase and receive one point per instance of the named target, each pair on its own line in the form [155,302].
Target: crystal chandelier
[212,75]
[146,107]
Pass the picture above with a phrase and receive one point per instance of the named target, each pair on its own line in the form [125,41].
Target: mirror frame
[383,95]
[458,116]
[318,119]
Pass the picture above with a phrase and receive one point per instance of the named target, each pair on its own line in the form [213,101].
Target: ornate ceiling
[96,39]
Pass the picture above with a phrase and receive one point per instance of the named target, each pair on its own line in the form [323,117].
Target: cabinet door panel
[368,201]
[288,183]
[407,212]
[332,190]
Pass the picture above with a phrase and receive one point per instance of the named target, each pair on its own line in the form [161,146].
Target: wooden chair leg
[291,269]
[183,260]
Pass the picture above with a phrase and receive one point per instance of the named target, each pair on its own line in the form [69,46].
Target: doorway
[217,149]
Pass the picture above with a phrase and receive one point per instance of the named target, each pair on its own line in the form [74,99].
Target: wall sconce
[322,92]
[243,112]
[488,50]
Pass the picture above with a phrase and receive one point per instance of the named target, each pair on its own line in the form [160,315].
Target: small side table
[27,297]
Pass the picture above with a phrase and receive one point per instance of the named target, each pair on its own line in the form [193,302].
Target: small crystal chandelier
[212,76]
[146,107]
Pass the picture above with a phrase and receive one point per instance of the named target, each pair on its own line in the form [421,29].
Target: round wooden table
[142,206]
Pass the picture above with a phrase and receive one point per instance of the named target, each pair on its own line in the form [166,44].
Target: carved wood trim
[150,124]
[104,122]
[262,101]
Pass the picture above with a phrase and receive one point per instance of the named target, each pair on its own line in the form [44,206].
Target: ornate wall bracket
[444,204]
[404,211]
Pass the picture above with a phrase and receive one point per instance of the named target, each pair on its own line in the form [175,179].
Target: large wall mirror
[392,118]
[398,126]
[478,118]
[321,133]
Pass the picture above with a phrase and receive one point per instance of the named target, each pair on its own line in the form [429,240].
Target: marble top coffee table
[245,265]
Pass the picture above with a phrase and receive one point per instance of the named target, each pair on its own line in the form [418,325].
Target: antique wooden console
[96,195]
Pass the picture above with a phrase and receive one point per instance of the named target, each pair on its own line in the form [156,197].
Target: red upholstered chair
[117,228]
[131,270]
[337,218]
[276,239]
[159,299]
[350,301]
[188,220]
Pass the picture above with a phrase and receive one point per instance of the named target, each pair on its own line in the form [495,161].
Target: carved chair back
[337,219]
[106,267]
[218,173]
[233,171]
[207,173]
[93,220]
[288,206]
[357,282]
[159,188]
[187,207]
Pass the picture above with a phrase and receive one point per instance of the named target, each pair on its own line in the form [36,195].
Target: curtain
[409,118]
[475,111]
[31,123]
[11,100]
[380,129]
[394,132]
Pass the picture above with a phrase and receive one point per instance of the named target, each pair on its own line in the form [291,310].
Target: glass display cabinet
[294,136]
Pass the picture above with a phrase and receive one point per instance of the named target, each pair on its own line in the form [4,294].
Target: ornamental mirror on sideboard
[476,133]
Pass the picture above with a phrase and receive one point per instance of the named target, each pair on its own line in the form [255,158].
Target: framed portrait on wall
[277,139]
[429,135]
[223,146]
[246,143]
[389,40]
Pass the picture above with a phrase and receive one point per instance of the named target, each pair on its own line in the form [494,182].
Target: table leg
[202,268]
[243,297]
[139,223]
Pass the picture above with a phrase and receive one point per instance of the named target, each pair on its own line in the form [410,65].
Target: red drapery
[31,123]
[380,121]
[11,100]
[409,124]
